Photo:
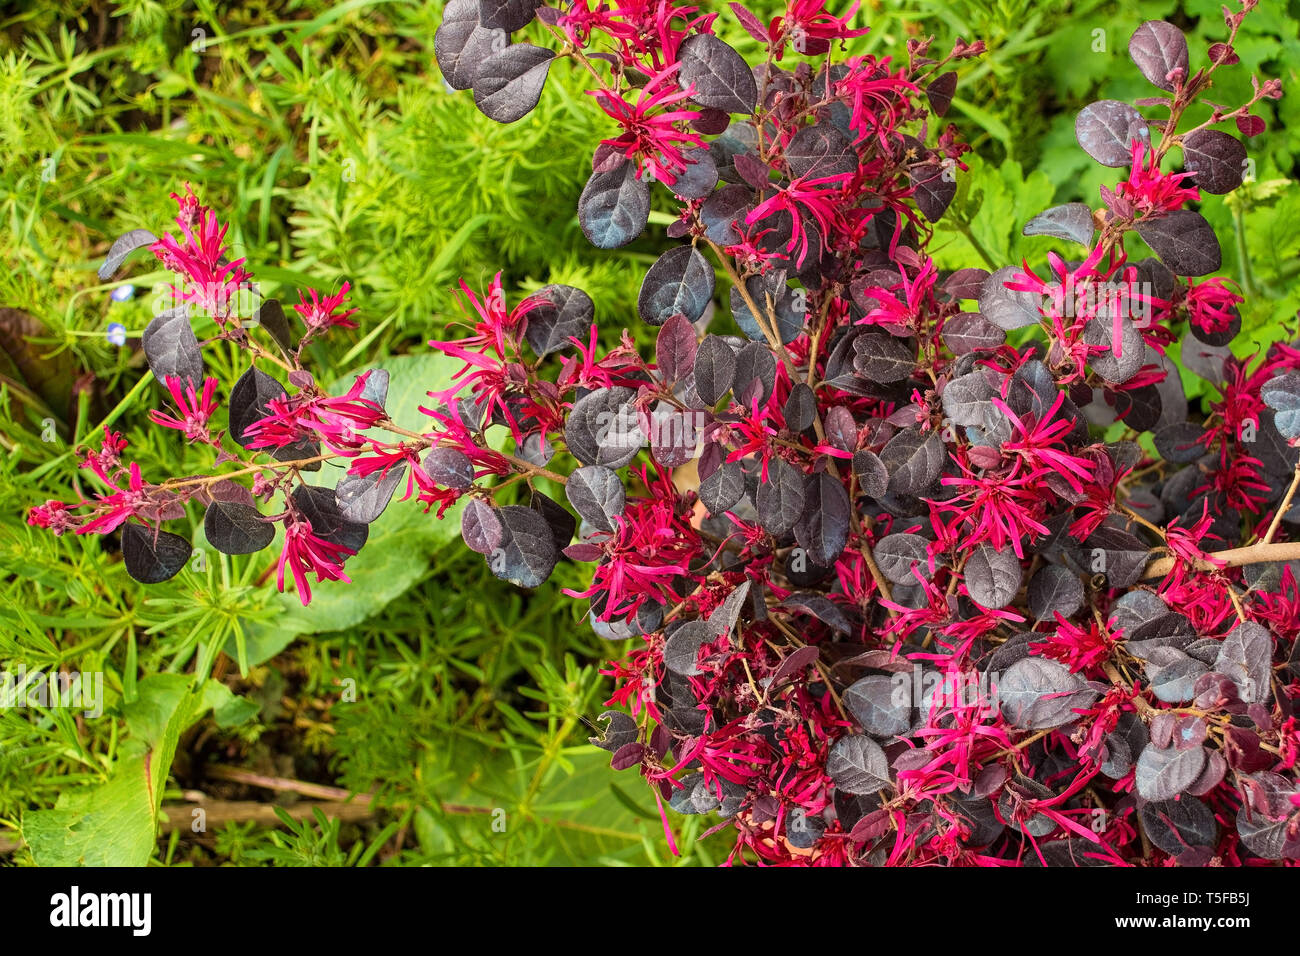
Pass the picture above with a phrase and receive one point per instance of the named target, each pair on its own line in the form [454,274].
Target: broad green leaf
[113,824]
[994,203]
[109,825]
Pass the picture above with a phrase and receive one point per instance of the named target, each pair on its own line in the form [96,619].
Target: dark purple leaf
[857,765]
[752,170]
[270,316]
[936,186]
[720,76]
[122,247]
[527,554]
[970,332]
[1178,825]
[1158,48]
[723,619]
[679,283]
[879,706]
[1164,774]
[1247,658]
[785,305]
[965,283]
[820,150]
[364,497]
[1184,241]
[841,429]
[172,348]
[1283,394]
[1251,126]
[614,207]
[603,429]
[152,557]
[1007,308]
[682,650]
[780,499]
[752,24]
[1037,693]
[480,526]
[823,529]
[881,357]
[792,665]
[449,467]
[1268,837]
[723,488]
[1216,160]
[1121,555]
[873,477]
[967,399]
[509,84]
[1139,408]
[1180,444]
[561,312]
[619,730]
[754,363]
[1104,129]
[914,460]
[941,91]
[597,495]
[1054,590]
[248,402]
[715,369]
[992,577]
[508,15]
[721,211]
[899,553]
[1073,221]
[627,756]
[800,409]
[675,348]
[461,44]
[820,607]
[561,522]
[320,507]
[233,527]
[1115,368]
[699,178]
[1171,674]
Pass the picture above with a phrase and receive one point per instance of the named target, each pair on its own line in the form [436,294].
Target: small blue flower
[117,333]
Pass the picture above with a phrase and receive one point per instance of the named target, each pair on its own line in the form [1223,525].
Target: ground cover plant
[937,561]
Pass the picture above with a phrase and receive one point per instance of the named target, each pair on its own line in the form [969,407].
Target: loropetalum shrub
[888,595]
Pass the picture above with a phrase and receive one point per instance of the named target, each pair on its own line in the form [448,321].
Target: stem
[171,483]
[965,230]
[1243,254]
[761,316]
[818,332]
[1282,508]
[1235,558]
[532,469]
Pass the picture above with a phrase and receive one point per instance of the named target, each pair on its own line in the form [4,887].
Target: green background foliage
[324,135]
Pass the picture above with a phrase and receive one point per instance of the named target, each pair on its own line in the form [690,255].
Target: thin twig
[1234,558]
[1282,508]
